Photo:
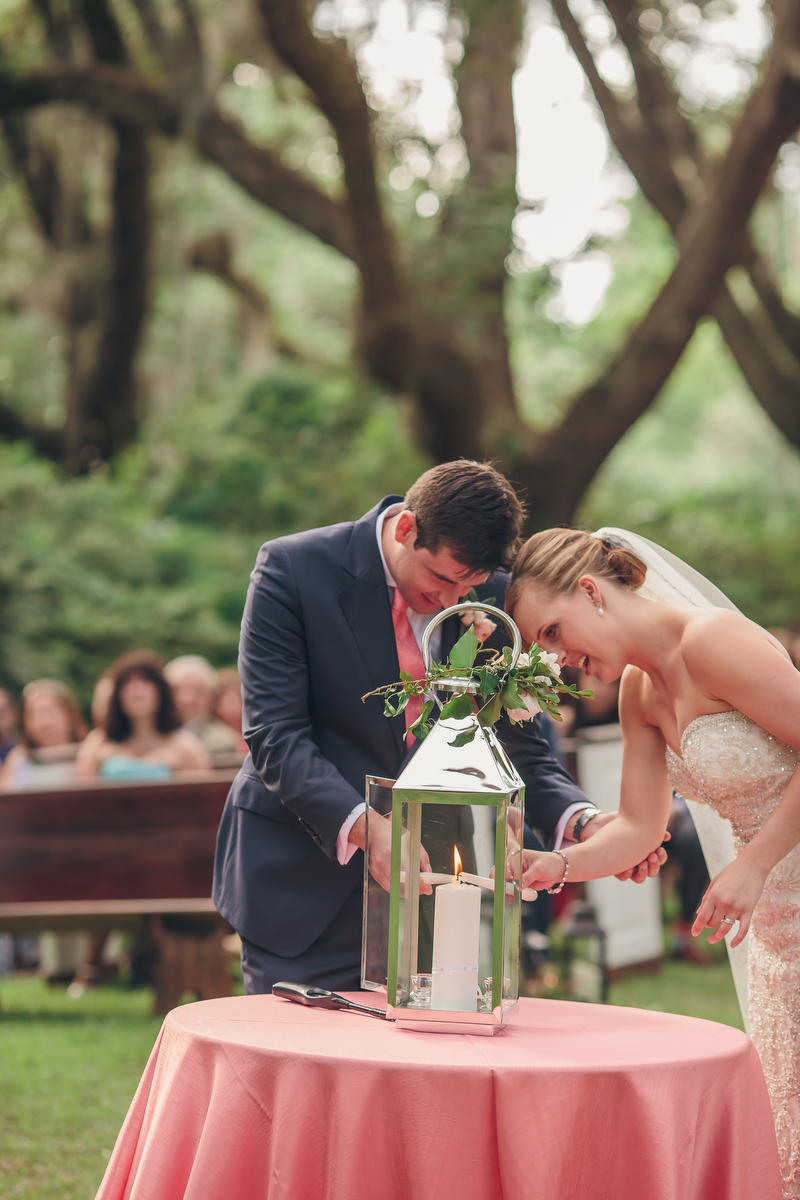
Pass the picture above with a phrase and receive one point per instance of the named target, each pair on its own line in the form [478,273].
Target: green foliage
[707,475]
[68,1072]
[159,553]
[465,649]
[89,569]
[458,707]
[422,726]
[507,687]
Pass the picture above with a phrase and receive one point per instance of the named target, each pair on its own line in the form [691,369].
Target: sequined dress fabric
[731,763]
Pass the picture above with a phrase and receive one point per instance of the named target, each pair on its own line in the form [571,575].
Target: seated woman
[51,728]
[141,737]
[228,704]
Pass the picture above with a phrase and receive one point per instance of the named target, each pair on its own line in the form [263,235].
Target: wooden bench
[122,855]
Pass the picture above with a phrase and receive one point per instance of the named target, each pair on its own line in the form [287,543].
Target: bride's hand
[541,869]
[733,893]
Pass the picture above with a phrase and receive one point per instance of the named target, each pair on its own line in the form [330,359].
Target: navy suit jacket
[317,635]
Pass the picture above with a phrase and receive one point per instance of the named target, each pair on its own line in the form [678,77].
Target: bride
[710,707]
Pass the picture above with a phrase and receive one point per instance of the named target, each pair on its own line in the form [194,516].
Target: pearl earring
[600,609]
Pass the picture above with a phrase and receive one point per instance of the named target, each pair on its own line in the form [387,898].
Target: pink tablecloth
[255,1097]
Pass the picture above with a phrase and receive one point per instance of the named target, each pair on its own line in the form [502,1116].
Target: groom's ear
[406,527]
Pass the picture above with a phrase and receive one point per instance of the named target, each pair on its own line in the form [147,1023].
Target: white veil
[673,581]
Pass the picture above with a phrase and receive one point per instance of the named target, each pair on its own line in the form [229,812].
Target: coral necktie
[409,654]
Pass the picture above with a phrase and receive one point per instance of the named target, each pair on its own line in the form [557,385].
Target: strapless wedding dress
[738,768]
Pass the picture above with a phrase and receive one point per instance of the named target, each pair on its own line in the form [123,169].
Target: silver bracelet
[553,891]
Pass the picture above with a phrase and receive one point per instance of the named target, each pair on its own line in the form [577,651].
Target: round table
[254,1097]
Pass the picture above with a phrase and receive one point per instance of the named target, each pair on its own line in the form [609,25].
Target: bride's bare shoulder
[718,633]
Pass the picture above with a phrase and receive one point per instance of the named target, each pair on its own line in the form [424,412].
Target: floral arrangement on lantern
[490,687]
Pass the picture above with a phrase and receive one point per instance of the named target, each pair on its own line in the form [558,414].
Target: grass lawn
[69,1068]
[679,987]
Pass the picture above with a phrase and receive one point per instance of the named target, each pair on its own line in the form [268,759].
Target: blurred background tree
[263,262]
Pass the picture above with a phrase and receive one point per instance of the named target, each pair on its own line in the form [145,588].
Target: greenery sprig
[521,691]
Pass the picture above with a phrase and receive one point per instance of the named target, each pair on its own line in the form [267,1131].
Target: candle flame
[457,861]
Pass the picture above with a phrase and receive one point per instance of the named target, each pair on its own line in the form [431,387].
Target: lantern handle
[471,606]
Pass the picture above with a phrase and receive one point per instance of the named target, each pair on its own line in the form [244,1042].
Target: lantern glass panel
[432,936]
[375,932]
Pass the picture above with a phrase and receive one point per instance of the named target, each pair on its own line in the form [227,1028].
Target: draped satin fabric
[259,1099]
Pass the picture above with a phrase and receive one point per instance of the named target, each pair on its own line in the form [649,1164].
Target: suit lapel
[365,601]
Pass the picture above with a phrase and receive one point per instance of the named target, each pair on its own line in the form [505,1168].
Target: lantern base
[449,1027]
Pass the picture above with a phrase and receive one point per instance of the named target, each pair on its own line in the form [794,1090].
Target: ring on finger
[727,920]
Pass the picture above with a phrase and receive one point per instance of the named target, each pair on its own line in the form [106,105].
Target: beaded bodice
[731,763]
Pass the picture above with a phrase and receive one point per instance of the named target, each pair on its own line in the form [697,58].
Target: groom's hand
[380,850]
[647,869]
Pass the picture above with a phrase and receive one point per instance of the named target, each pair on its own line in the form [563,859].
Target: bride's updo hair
[557,558]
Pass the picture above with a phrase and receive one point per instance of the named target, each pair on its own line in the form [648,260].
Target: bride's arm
[643,810]
[738,664]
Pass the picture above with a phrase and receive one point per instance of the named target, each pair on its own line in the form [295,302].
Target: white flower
[551,661]
[524,660]
[527,713]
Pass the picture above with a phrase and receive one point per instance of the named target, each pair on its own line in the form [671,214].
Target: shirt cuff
[562,824]
[345,849]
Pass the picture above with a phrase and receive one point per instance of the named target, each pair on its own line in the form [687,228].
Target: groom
[331,614]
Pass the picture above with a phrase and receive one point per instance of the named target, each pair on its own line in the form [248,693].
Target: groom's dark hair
[472,509]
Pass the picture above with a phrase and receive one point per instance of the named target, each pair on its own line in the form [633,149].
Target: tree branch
[261,174]
[110,418]
[328,69]
[638,138]
[47,442]
[104,32]
[463,377]
[121,94]
[597,419]
[626,125]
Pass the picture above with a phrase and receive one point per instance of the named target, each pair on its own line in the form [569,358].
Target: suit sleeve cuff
[562,824]
[345,849]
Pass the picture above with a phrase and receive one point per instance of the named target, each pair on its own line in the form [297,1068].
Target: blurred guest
[101,698]
[194,685]
[602,708]
[51,727]
[8,724]
[142,737]
[228,705]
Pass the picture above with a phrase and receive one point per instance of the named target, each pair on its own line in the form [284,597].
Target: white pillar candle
[456,939]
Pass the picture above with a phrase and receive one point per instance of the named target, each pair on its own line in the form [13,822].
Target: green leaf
[464,738]
[458,708]
[465,649]
[491,712]
[421,728]
[406,678]
[489,683]
[388,708]
[402,702]
[510,696]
